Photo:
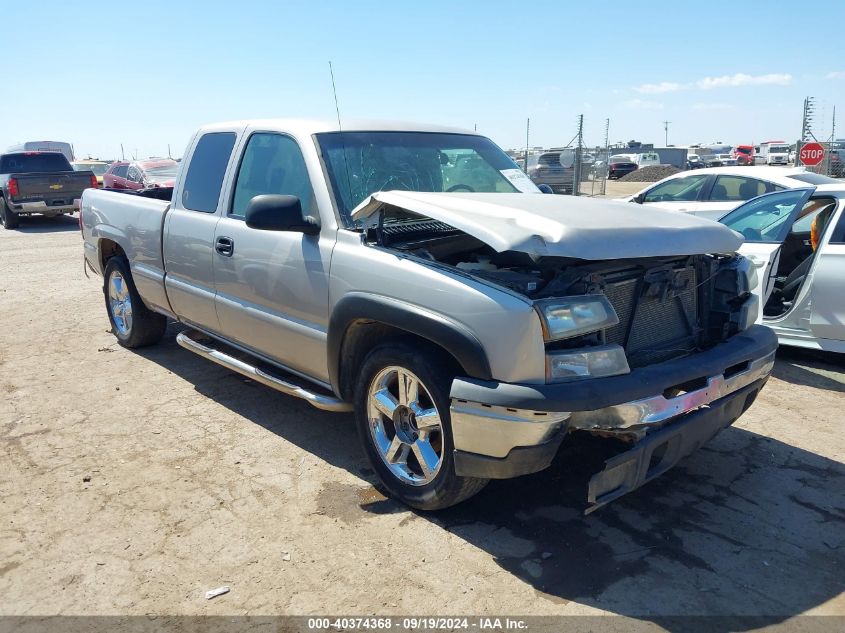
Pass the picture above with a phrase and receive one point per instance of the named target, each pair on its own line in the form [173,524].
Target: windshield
[766,219]
[161,173]
[98,168]
[362,163]
[34,162]
[778,149]
[743,150]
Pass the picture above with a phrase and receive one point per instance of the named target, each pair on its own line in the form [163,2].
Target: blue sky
[146,74]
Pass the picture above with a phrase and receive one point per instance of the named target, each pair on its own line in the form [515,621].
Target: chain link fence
[833,163]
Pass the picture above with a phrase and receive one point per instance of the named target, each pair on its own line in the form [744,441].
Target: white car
[796,241]
[712,192]
[648,159]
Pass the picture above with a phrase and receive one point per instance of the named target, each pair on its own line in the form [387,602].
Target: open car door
[765,222]
[827,317]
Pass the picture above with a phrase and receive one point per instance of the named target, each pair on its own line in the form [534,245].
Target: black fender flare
[453,337]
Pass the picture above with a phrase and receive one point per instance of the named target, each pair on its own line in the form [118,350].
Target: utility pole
[606,155]
[527,129]
[122,155]
[168,151]
[576,173]
[666,133]
[807,123]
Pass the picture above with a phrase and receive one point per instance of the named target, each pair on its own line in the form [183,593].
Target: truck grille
[657,320]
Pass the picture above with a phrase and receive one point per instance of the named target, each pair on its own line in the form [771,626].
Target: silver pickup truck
[413,275]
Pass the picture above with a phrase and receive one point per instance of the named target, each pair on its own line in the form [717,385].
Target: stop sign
[811,154]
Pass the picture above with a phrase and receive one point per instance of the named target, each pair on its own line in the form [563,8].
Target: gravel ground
[133,482]
[652,173]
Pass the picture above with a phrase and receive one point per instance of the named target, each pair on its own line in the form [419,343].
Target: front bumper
[503,430]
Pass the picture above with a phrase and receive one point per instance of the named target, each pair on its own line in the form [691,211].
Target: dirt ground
[133,482]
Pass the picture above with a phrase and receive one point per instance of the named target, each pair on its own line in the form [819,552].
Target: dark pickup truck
[39,182]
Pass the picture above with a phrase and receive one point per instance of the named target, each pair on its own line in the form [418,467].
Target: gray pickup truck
[39,182]
[413,275]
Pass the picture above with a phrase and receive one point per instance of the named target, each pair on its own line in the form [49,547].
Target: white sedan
[796,241]
[710,193]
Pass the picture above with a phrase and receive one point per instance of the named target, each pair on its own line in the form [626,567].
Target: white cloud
[724,81]
[663,86]
[712,106]
[836,74]
[643,104]
[741,79]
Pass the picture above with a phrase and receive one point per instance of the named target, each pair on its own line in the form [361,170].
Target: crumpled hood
[561,226]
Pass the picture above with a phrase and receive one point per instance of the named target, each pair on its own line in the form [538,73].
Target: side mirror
[274,212]
[545,188]
[638,198]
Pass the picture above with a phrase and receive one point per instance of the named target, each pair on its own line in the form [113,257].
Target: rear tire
[408,438]
[132,322]
[9,218]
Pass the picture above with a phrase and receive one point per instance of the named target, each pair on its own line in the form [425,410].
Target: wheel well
[363,335]
[108,249]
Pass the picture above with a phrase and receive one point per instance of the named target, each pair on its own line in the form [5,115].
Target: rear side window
[121,171]
[204,180]
[737,188]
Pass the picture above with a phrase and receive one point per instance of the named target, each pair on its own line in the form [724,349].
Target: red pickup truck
[744,154]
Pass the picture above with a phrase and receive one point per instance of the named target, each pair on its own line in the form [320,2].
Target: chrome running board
[326,403]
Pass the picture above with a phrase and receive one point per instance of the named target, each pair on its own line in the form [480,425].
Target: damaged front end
[630,346]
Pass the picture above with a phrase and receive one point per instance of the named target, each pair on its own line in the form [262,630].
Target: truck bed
[54,189]
[135,224]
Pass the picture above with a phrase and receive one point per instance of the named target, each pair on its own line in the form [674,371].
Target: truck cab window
[204,179]
[272,163]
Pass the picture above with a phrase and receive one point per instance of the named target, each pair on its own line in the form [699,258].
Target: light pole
[666,132]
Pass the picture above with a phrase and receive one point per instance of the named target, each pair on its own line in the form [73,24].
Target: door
[728,191]
[189,232]
[677,194]
[272,286]
[827,316]
[764,223]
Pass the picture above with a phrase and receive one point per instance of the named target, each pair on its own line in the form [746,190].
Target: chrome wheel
[405,426]
[120,303]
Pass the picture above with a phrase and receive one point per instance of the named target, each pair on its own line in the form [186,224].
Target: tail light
[13,187]
[94,183]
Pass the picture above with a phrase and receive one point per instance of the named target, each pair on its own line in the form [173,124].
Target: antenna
[342,139]
[122,155]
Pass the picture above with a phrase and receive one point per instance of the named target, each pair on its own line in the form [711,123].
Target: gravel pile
[652,173]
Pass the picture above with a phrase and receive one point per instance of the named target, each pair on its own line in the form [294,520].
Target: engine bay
[667,306]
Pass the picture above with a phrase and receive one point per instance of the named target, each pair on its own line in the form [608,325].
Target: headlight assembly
[572,316]
[591,362]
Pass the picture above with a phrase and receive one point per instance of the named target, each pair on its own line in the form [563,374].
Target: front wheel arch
[359,322]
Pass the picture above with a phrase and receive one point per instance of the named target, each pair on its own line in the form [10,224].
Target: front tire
[9,218]
[132,322]
[402,416]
